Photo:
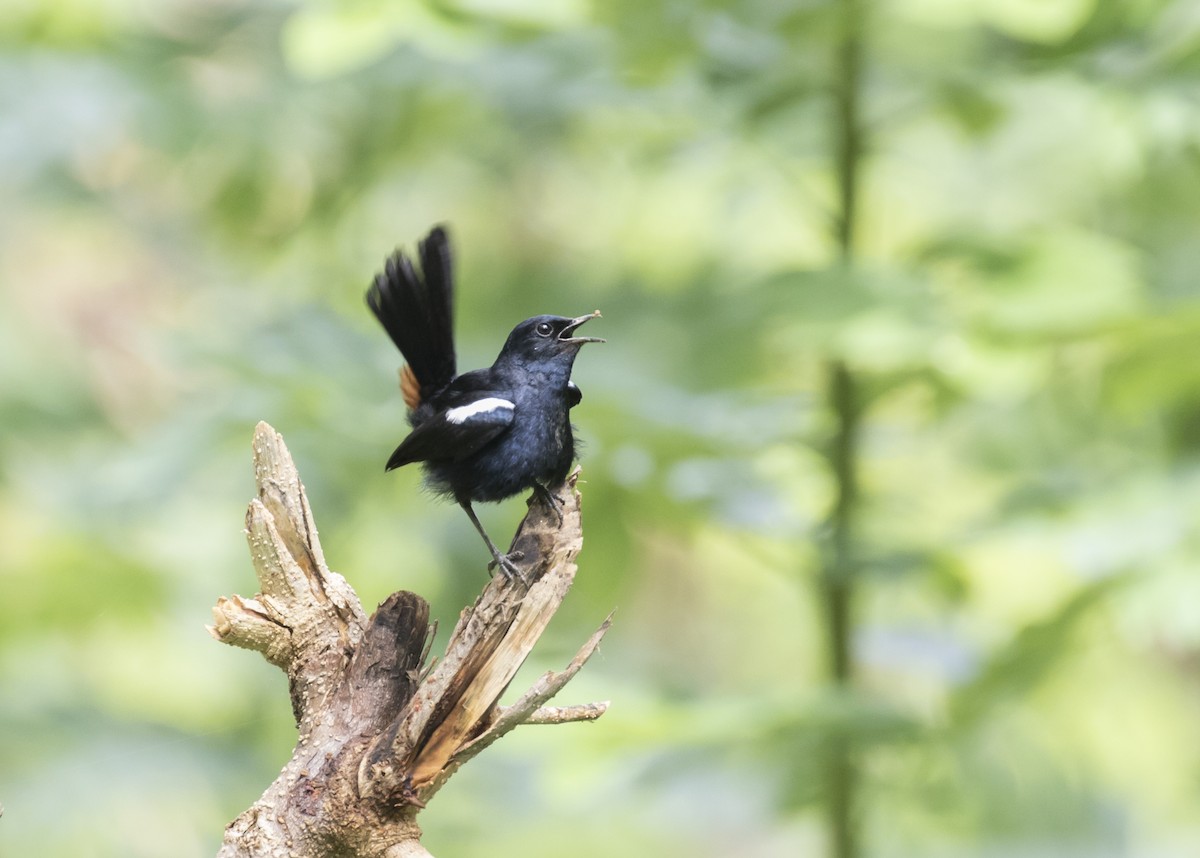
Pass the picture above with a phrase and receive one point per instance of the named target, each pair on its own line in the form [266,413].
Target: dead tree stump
[379,732]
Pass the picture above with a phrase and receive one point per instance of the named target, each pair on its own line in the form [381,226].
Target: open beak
[565,336]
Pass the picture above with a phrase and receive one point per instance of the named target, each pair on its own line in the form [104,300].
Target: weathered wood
[377,737]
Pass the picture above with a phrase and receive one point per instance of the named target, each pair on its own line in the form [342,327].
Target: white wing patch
[481,406]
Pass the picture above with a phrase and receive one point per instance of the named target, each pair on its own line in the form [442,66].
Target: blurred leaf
[1032,655]
[67,586]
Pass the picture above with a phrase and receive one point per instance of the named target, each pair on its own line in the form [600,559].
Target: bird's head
[547,338]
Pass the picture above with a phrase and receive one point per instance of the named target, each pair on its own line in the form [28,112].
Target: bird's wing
[457,431]
[574,394]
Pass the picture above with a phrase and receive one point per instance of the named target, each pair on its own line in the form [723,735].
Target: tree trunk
[379,733]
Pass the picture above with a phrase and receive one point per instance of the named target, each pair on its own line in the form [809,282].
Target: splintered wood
[376,740]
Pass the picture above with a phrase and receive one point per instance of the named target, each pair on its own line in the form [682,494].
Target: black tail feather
[417,310]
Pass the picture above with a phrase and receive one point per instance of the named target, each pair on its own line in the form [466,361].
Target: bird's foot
[506,563]
[551,500]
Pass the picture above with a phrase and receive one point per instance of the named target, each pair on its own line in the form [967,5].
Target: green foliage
[198,195]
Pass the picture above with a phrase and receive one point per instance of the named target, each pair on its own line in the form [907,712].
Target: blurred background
[891,455]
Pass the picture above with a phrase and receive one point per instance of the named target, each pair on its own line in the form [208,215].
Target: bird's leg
[551,500]
[503,561]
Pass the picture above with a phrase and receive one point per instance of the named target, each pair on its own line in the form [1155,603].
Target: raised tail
[417,311]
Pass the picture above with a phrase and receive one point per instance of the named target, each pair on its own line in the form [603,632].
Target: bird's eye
[545,329]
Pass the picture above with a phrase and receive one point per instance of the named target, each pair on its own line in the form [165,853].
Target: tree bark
[379,733]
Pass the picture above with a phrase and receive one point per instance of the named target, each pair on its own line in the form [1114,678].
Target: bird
[488,434]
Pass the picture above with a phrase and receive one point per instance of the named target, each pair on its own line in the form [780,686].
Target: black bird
[487,434]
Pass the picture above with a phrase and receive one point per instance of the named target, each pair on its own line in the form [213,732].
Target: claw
[551,499]
[505,563]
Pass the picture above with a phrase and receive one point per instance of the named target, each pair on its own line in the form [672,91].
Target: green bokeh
[196,195]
